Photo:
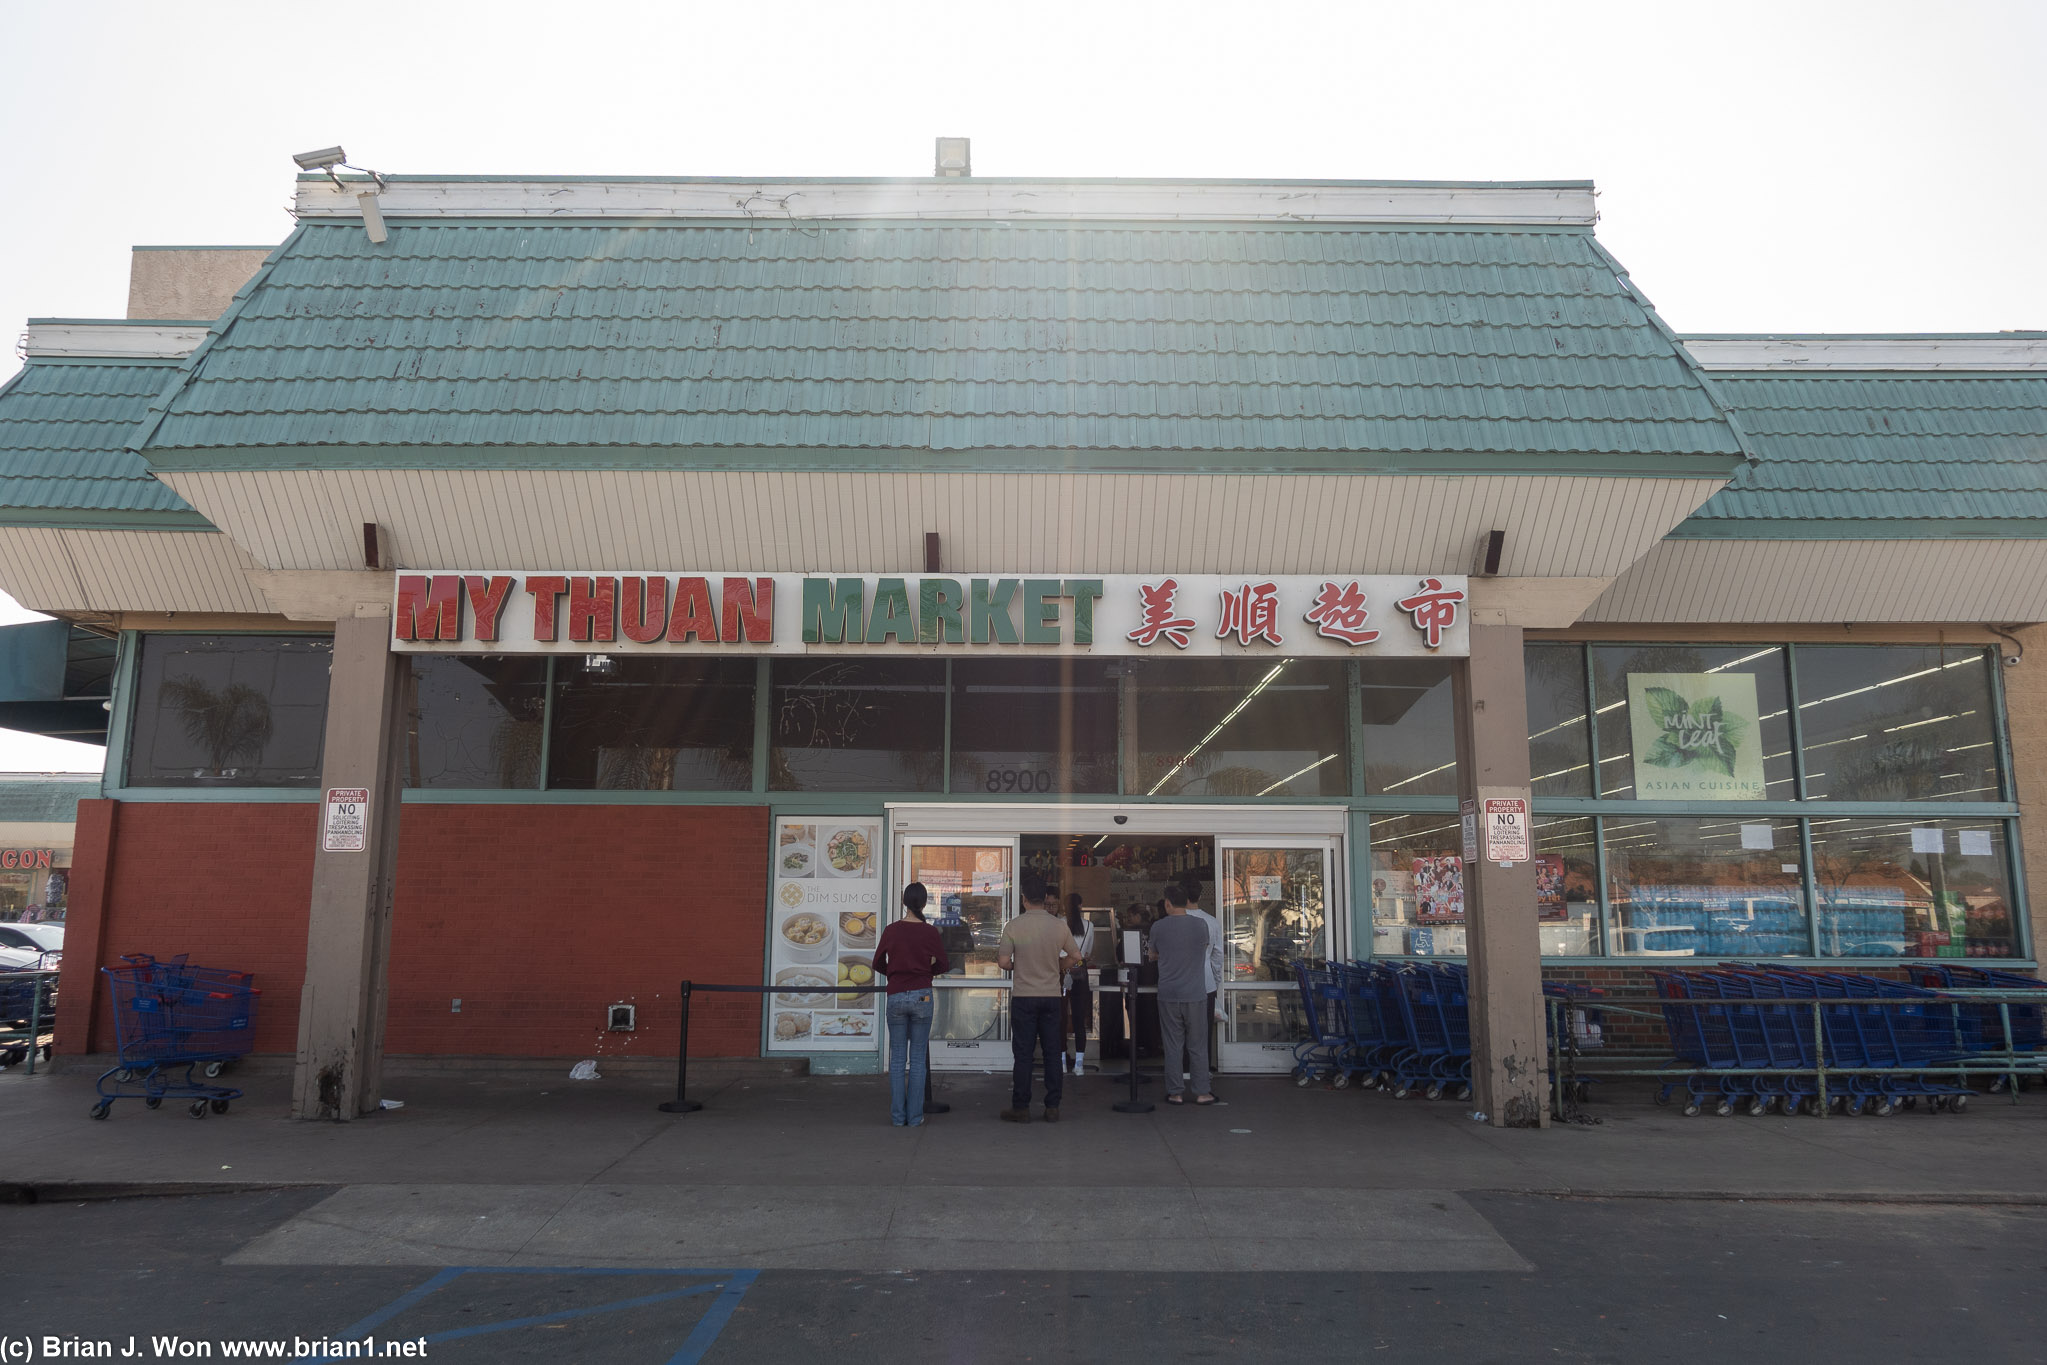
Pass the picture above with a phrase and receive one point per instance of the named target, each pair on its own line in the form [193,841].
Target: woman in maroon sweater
[909,955]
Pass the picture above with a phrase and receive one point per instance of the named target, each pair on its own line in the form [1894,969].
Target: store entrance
[1276,899]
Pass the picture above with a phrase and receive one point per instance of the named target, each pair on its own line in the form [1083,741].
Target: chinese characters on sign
[1204,615]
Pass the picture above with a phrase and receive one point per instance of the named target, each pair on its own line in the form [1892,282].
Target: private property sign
[346,829]
[1339,615]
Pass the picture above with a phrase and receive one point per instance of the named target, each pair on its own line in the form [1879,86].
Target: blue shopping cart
[169,1015]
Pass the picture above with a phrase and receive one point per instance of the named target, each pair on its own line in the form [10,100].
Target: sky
[1763,167]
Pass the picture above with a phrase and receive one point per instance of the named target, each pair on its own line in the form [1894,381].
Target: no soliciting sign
[1506,829]
[348,819]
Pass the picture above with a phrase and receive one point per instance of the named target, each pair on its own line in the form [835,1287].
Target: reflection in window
[1240,728]
[1567,885]
[1897,723]
[1410,747]
[1913,888]
[1720,887]
[475,721]
[1273,911]
[1028,726]
[1704,667]
[1417,885]
[629,724]
[861,725]
[230,711]
[1559,741]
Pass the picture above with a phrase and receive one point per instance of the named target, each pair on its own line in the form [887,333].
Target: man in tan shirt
[1038,950]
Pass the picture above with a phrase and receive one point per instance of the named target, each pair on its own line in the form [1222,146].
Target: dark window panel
[1409,743]
[230,711]
[1240,728]
[475,721]
[1897,723]
[1034,726]
[1559,739]
[630,724]
[858,725]
[1621,770]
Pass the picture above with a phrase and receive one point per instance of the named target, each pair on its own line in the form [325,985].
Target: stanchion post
[1133,1105]
[41,983]
[682,1104]
[1819,1054]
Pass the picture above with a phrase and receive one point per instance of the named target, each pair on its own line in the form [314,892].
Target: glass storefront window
[1897,723]
[1716,718]
[858,725]
[1410,747]
[230,711]
[475,721]
[1889,887]
[1034,726]
[1718,887]
[1237,728]
[1559,740]
[1567,885]
[1417,885]
[627,724]
[1272,905]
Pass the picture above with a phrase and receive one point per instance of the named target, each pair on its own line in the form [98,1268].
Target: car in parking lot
[31,945]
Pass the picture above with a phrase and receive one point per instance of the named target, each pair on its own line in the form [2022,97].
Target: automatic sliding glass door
[973,894]
[1280,903]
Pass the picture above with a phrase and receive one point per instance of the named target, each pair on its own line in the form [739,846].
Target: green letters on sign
[938,612]
[989,612]
[829,611]
[891,615]
[1041,611]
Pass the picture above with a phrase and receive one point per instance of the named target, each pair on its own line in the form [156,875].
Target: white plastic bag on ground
[584,1071]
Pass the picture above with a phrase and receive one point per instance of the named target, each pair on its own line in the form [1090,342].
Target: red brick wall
[226,884]
[535,917]
[538,917]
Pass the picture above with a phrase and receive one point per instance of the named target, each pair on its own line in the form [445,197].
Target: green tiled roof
[944,337]
[45,801]
[64,428]
[1888,449]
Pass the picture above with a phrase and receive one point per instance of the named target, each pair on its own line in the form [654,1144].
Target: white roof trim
[768,200]
[2017,352]
[111,340]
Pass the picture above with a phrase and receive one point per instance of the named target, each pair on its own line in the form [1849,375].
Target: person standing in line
[1080,1001]
[1180,943]
[909,955]
[1038,950]
[1214,970]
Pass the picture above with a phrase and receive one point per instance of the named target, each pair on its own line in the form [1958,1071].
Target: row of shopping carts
[177,1026]
[1760,1037]
[1404,1027]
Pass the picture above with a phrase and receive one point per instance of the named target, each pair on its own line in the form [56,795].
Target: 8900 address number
[1018,780]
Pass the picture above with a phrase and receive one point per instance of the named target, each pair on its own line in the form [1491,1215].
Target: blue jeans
[1034,1026]
[909,1050]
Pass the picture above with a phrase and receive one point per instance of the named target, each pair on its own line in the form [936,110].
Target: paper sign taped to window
[1758,836]
[1975,843]
[1927,839]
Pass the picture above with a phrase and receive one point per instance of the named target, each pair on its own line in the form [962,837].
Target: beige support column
[2025,713]
[1509,1060]
[348,935]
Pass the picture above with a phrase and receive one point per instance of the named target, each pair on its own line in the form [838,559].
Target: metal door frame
[972,1054]
[1275,1058]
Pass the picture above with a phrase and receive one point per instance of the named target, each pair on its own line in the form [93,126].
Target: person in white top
[1080,1001]
[1212,970]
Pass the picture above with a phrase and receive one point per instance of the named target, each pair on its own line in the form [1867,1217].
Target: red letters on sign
[694,614]
[428,608]
[593,610]
[754,613]
[545,589]
[643,608]
[43,857]
[10,857]
[487,603]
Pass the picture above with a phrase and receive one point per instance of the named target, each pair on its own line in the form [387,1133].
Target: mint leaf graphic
[1664,754]
[1665,706]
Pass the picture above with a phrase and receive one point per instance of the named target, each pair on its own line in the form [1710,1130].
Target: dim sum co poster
[824,921]
[1696,737]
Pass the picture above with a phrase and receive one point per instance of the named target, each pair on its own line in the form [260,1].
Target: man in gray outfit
[1180,943]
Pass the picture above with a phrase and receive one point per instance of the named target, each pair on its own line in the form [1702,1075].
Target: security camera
[1122,819]
[2011,661]
[320,160]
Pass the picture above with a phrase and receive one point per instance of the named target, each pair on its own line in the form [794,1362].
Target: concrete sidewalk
[808,1172]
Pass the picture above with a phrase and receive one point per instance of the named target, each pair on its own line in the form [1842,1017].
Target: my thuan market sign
[1342,615]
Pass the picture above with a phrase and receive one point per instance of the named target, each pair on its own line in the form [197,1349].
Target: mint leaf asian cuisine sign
[1340,615]
[1696,737]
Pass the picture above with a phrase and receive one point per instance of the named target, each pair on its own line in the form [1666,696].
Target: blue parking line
[713,1322]
[730,1284]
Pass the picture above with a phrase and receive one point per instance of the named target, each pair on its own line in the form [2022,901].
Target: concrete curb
[1783,1197]
[79,1191]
